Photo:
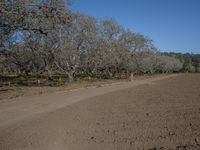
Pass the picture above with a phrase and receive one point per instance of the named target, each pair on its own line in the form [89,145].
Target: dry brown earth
[159,113]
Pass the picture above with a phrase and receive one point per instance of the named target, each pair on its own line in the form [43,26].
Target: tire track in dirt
[23,108]
[164,115]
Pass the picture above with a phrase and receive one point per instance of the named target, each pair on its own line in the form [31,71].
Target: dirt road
[157,113]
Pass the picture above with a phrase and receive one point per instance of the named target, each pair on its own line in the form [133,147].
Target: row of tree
[44,37]
[191,62]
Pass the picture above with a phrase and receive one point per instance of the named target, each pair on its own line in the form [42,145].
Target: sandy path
[159,113]
[22,108]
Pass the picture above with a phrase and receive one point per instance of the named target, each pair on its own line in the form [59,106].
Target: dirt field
[154,114]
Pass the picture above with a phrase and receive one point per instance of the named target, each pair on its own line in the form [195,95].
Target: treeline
[43,37]
[191,62]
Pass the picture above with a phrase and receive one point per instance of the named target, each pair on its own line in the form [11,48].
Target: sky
[174,25]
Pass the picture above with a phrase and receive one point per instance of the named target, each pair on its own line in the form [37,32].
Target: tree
[45,37]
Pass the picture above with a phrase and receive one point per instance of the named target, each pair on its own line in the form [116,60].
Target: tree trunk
[70,76]
[131,76]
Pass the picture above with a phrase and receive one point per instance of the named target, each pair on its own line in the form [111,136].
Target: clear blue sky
[174,25]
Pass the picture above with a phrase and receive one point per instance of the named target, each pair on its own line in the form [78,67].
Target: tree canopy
[45,37]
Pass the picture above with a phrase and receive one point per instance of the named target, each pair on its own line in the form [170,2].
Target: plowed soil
[154,114]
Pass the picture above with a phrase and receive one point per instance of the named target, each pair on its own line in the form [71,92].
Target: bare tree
[44,37]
